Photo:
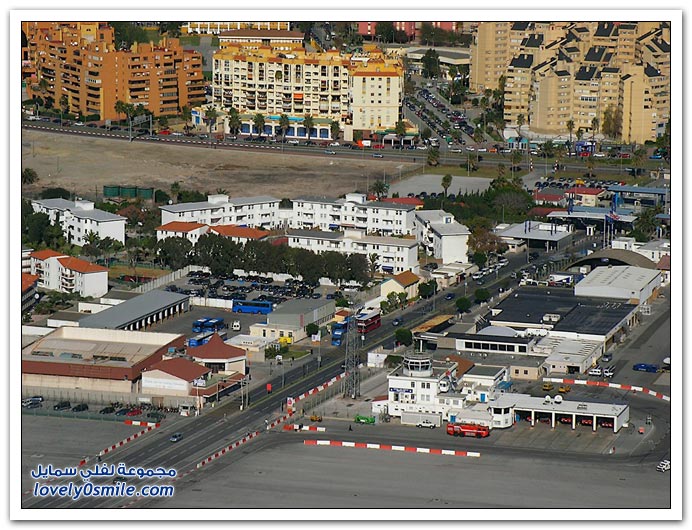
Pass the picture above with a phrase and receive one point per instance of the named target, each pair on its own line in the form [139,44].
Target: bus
[198,325]
[203,338]
[369,320]
[253,306]
[339,330]
[214,324]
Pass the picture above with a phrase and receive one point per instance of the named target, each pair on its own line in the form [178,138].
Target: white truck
[663,466]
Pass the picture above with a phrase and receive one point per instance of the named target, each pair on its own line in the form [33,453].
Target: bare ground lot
[85,164]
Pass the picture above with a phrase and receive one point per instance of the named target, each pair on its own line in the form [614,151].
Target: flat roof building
[634,284]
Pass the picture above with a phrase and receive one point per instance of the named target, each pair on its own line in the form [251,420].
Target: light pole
[282,374]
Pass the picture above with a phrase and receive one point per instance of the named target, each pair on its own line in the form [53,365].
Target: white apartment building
[66,274]
[259,212]
[354,211]
[441,236]
[190,231]
[395,255]
[78,218]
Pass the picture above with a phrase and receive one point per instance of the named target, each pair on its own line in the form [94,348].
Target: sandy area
[85,164]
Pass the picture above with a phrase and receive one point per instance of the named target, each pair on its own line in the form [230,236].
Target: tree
[520,124]
[379,188]
[312,329]
[36,226]
[64,103]
[386,31]
[234,122]
[594,128]
[373,259]
[56,193]
[433,156]
[570,128]
[427,289]
[29,176]
[426,133]
[334,129]
[174,252]
[431,64]
[400,130]
[210,115]
[481,295]
[186,115]
[404,336]
[308,123]
[479,258]
[259,121]
[463,304]
[119,108]
[446,182]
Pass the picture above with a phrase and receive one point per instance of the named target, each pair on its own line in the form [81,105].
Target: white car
[599,155]
[172,134]
[663,466]
[334,144]
[293,142]
[482,150]
[78,124]
[470,148]
[596,370]
[608,372]
[425,423]
[422,147]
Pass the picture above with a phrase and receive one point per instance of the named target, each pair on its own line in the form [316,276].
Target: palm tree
[400,130]
[334,129]
[446,182]
[119,108]
[186,114]
[379,188]
[373,259]
[234,122]
[258,121]
[570,128]
[29,176]
[520,123]
[284,125]
[484,105]
[594,128]
[210,114]
[308,123]
[64,104]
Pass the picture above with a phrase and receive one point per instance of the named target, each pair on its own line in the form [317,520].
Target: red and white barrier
[321,387]
[384,447]
[279,420]
[297,427]
[142,423]
[228,449]
[607,385]
[129,439]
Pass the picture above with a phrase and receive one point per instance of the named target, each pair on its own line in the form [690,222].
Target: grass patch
[456,171]
[190,40]
[116,270]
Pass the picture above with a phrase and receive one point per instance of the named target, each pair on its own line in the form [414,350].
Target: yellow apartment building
[216,28]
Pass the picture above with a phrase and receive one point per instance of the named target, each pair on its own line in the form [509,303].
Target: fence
[320,398]
[163,280]
[96,398]
[211,302]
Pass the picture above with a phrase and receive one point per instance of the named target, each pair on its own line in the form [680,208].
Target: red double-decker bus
[368,320]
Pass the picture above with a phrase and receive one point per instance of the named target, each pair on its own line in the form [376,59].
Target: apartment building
[58,272]
[254,38]
[29,298]
[442,236]
[353,211]
[561,72]
[219,209]
[82,61]
[216,28]
[190,231]
[360,91]
[79,218]
[394,255]
[239,234]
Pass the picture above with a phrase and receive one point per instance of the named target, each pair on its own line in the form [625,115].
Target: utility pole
[352,381]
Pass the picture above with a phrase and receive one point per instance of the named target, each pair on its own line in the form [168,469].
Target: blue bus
[253,306]
[214,324]
[198,325]
[339,330]
[203,338]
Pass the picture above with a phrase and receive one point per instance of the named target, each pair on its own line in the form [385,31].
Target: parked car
[80,408]
[176,437]
[134,412]
[607,358]
[62,405]
[156,416]
[107,410]
[377,155]
[397,322]
[596,370]
[644,367]
[449,296]
[28,404]
[663,466]
[547,387]
[608,372]
[122,412]
[364,419]
[425,424]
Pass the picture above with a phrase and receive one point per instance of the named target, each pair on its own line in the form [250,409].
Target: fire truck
[468,429]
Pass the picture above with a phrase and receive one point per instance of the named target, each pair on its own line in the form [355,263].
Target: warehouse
[139,313]
[636,285]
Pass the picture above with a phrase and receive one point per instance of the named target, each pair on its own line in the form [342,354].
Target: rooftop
[619,277]
[45,254]
[315,234]
[406,278]
[181,368]
[216,348]
[180,226]
[534,230]
[244,232]
[527,402]
[28,280]
[80,265]
[300,306]
[485,370]
[121,315]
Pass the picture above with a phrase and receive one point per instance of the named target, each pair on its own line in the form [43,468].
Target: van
[596,371]
[236,325]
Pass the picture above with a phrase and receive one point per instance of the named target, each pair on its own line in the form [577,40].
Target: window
[413,384]
[526,372]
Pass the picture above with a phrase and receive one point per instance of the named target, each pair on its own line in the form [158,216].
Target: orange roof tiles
[585,191]
[179,226]
[181,368]
[79,265]
[413,201]
[28,280]
[239,231]
[406,278]
[663,264]
[45,254]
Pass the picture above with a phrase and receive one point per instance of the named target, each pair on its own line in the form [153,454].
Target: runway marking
[401,448]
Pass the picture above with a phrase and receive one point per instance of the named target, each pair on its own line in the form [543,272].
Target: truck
[364,419]
[339,330]
[468,429]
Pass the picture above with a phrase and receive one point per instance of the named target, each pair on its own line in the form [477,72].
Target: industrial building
[140,312]
[636,285]
[287,323]
[548,236]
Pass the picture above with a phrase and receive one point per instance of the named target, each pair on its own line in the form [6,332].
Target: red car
[378,146]
[586,421]
[134,412]
[165,132]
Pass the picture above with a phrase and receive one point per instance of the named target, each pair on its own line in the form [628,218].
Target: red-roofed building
[404,282]
[58,272]
[174,377]
[190,231]
[411,201]
[664,266]
[219,356]
[239,234]
[585,196]
[543,211]
[541,197]
[29,282]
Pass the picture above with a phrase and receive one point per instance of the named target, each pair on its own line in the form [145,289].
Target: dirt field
[84,165]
